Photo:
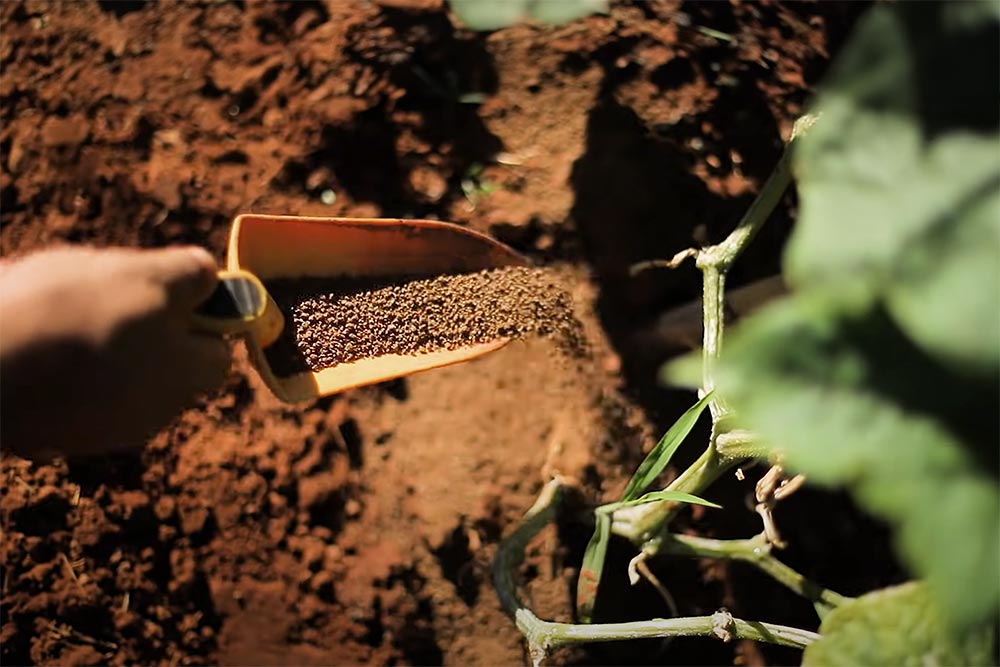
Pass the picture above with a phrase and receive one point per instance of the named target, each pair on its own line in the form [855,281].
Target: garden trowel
[263,248]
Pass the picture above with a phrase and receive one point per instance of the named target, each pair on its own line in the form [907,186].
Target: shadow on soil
[443,74]
[636,200]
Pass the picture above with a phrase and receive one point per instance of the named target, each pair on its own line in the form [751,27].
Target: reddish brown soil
[359,529]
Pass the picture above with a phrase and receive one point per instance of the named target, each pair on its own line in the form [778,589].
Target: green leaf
[654,463]
[558,12]
[683,372]
[882,373]
[900,179]
[660,455]
[943,292]
[496,14]
[657,496]
[592,567]
[896,626]
[848,399]
[489,14]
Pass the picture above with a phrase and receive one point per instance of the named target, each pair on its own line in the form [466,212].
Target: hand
[96,347]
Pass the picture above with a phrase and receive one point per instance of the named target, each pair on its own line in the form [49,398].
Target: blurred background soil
[359,529]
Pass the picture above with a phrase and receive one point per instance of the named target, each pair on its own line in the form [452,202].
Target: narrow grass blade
[656,496]
[591,569]
[654,463]
[659,457]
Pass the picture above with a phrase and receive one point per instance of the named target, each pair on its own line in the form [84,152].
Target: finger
[189,274]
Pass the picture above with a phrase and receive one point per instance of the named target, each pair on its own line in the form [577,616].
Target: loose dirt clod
[337,321]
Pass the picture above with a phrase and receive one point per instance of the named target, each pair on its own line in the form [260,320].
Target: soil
[358,529]
[329,322]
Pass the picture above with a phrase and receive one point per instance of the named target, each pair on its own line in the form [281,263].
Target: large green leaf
[489,14]
[849,400]
[943,292]
[900,180]
[882,373]
[496,14]
[557,12]
[895,626]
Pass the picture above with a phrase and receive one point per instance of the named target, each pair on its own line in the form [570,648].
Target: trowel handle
[240,305]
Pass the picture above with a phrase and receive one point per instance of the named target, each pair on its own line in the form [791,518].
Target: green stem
[548,635]
[544,635]
[713,314]
[740,444]
[715,261]
[510,554]
[639,523]
[722,256]
[756,551]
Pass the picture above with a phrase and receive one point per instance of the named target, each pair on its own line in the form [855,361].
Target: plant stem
[715,261]
[639,523]
[510,554]
[544,635]
[547,635]
[722,255]
[713,315]
[741,444]
[756,551]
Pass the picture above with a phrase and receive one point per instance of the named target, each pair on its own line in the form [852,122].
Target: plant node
[723,625]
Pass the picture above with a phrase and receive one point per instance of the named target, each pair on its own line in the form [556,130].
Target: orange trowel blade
[281,247]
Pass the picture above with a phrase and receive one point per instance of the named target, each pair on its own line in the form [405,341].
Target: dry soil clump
[336,321]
